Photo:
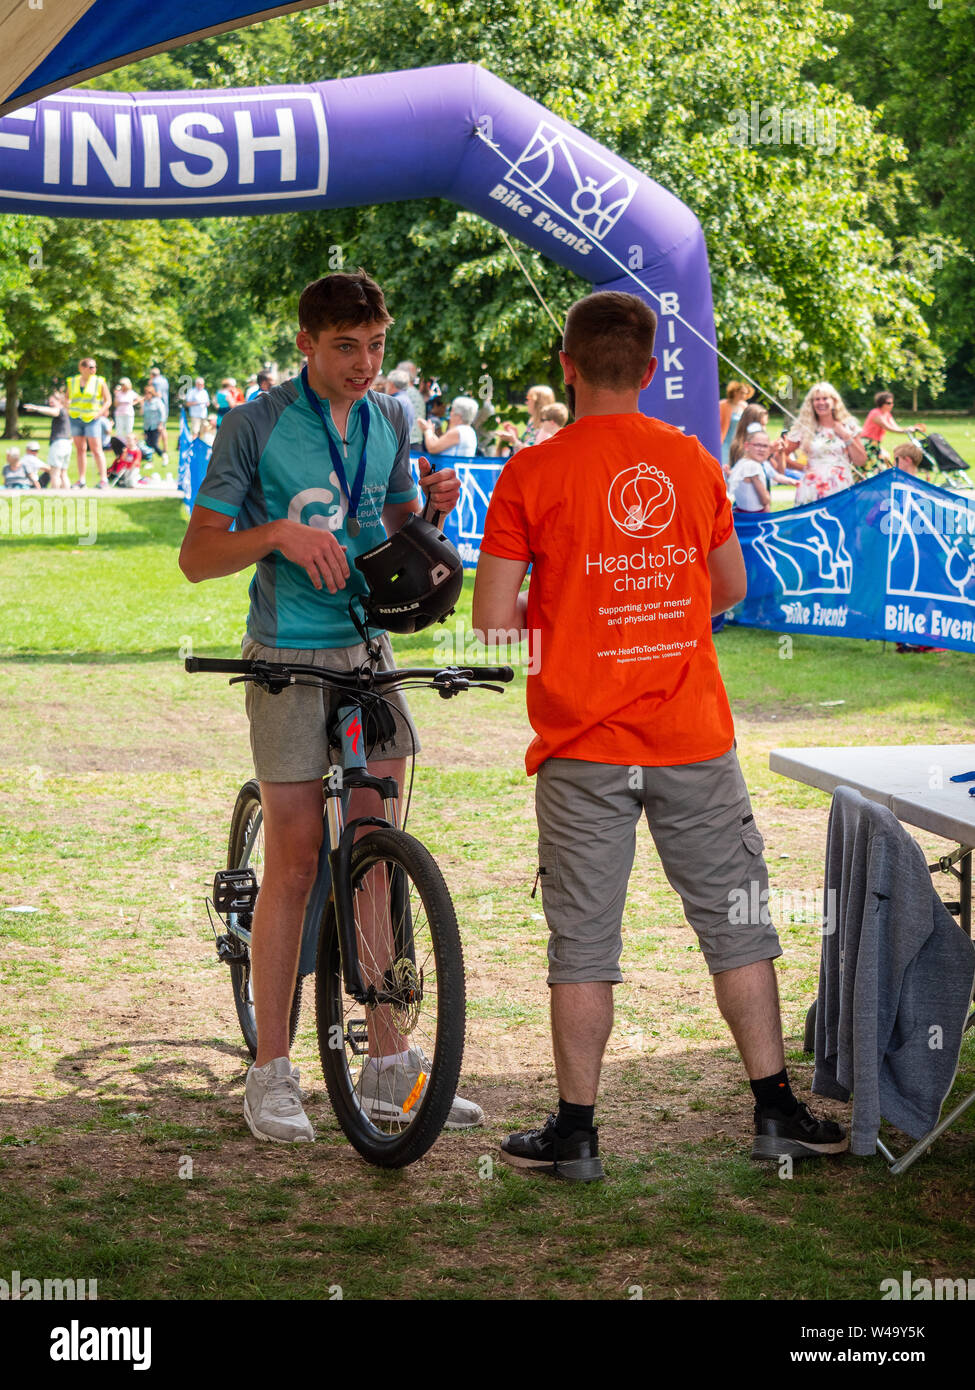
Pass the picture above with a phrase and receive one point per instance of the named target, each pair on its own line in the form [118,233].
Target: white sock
[381,1063]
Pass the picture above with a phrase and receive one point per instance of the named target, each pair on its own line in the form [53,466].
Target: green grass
[123,1154]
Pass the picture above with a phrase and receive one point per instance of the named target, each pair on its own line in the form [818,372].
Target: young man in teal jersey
[313,472]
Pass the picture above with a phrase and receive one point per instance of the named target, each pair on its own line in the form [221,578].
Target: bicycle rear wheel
[409,946]
[246,851]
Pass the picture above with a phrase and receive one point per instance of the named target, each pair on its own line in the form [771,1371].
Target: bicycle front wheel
[246,851]
[409,948]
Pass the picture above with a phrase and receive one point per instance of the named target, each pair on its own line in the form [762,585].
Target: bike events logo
[553,164]
[30,514]
[180,149]
[925,588]
[641,501]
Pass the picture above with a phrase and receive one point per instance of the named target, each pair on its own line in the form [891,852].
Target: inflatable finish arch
[385,138]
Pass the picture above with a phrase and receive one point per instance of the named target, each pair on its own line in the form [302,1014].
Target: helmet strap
[361,626]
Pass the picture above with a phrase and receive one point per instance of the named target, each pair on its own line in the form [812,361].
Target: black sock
[775,1092]
[572,1118]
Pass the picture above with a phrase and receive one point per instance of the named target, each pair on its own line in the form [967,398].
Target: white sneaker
[272,1104]
[391,1093]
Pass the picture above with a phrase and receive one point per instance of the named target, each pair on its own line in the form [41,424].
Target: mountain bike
[379,932]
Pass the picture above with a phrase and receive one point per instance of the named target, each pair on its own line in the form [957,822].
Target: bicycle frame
[334,856]
[333,875]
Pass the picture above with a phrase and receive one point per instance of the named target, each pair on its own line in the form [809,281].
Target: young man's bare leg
[375,928]
[393,1069]
[749,1002]
[748,998]
[582,1020]
[292,837]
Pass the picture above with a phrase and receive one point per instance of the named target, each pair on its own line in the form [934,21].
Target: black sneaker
[799,1136]
[575,1159]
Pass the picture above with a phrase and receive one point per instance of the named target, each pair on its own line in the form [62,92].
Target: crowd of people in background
[818,453]
[824,438]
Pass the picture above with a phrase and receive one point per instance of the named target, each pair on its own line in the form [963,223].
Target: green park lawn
[124,1155]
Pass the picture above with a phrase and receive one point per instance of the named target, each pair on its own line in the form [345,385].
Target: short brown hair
[609,336]
[558,413]
[912,452]
[342,300]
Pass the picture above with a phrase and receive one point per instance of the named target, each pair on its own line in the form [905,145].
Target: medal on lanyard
[352,498]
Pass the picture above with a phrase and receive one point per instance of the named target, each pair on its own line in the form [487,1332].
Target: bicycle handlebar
[240,667]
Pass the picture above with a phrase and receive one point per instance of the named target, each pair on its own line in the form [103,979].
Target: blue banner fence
[891,559]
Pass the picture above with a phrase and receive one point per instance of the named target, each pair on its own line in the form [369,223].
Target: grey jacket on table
[895,977]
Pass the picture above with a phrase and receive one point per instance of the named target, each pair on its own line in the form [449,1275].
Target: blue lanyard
[351,498]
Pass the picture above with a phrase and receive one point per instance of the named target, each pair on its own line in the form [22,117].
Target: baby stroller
[124,474]
[948,468]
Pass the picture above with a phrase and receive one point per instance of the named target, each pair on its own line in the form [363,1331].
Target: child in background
[131,461]
[747,485]
[908,458]
[553,418]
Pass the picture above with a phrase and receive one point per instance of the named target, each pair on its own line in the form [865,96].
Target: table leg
[925,1143]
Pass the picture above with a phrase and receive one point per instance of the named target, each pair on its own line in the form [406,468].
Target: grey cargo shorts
[288,730]
[705,834]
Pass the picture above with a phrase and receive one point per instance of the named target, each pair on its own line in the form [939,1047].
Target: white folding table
[913,782]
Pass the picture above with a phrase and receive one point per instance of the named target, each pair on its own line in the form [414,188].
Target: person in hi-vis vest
[88,401]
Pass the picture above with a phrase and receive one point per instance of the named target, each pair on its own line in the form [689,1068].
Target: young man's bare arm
[729,582]
[210,549]
[499,604]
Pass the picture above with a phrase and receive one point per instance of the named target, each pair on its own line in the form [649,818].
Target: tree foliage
[915,64]
[112,289]
[806,284]
[819,247]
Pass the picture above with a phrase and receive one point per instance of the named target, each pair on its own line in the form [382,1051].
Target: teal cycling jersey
[270,462]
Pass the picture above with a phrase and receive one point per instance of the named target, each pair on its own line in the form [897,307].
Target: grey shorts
[709,845]
[289,738]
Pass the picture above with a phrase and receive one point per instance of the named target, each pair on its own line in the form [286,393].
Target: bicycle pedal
[357,1036]
[234,890]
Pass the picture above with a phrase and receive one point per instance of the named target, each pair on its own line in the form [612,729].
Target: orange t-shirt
[617,515]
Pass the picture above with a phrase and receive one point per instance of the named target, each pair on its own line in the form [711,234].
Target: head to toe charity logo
[641,500]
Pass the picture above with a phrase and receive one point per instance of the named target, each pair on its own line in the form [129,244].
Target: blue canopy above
[51,47]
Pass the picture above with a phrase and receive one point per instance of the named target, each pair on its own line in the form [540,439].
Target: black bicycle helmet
[414,578]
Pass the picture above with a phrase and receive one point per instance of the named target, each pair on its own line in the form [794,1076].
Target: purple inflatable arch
[454,132]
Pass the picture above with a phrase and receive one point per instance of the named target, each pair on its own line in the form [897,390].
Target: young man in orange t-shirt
[627,526]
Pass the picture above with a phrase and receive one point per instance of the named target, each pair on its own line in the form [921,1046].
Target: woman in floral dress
[826,433]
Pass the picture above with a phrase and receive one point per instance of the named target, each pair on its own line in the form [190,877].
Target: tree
[107,288]
[21,241]
[806,284]
[915,63]
[230,332]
